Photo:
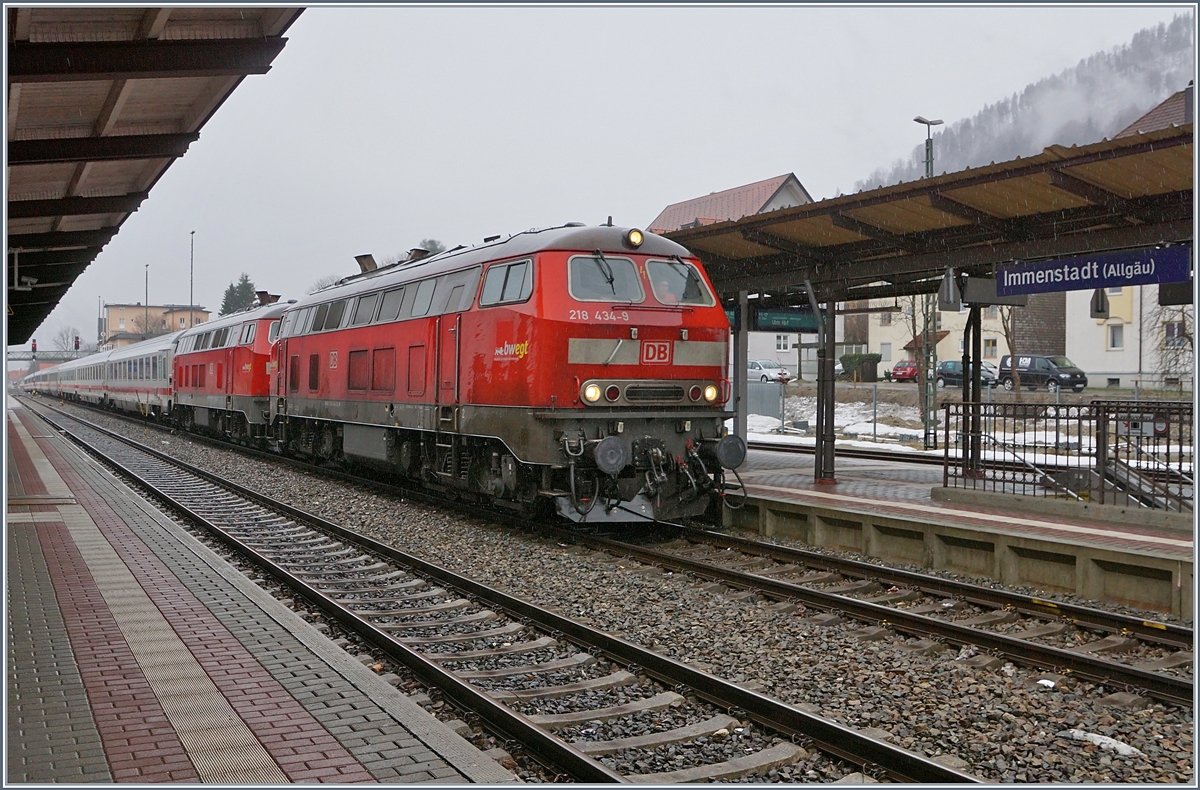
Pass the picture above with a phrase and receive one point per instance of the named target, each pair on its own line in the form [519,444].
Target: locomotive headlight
[634,238]
[710,393]
[591,393]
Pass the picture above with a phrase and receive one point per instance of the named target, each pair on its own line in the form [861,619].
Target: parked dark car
[1052,372]
[950,374]
[905,370]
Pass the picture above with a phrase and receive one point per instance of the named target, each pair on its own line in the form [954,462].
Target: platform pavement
[886,509]
[137,655]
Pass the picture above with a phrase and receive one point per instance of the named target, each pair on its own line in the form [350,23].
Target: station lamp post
[929,335]
[191,272]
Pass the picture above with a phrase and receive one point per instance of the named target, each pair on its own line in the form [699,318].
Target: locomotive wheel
[325,443]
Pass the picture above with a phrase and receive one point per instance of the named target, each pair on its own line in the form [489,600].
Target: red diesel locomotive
[579,366]
[222,369]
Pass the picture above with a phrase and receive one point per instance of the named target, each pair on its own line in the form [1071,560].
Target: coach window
[507,283]
[154,368]
[390,310]
[319,318]
[602,278]
[365,310]
[675,282]
[423,298]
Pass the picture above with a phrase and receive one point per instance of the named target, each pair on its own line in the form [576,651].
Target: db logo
[656,352]
[333,360]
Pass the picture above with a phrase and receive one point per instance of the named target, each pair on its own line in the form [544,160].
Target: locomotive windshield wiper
[688,272]
[605,269]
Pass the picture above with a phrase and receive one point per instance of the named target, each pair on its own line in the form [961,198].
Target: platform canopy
[101,101]
[1132,192]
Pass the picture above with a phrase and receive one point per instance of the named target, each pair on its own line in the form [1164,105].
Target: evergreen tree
[238,296]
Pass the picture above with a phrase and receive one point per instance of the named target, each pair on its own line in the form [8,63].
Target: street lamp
[191,269]
[928,142]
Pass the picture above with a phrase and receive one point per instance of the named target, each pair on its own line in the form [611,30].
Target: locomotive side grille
[644,393]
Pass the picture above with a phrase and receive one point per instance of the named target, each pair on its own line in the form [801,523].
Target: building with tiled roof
[762,196]
[1176,110]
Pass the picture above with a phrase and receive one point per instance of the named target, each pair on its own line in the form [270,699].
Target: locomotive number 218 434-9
[599,315]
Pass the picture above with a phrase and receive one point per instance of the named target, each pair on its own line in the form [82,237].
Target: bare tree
[1008,324]
[149,325]
[1171,331]
[324,282]
[64,339]
[914,322]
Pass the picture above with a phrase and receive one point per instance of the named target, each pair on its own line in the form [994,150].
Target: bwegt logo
[512,350]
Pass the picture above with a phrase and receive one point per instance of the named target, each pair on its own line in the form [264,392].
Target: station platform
[136,654]
[887,509]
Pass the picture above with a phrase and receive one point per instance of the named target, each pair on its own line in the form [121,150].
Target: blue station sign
[1106,270]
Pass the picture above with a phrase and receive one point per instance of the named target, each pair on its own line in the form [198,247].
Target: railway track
[561,689]
[1152,656]
[1060,639]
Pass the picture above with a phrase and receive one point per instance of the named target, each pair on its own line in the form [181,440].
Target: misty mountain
[1084,104]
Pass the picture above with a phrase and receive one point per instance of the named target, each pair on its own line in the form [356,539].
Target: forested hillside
[1101,95]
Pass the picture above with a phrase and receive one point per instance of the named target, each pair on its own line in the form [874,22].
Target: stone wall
[1042,324]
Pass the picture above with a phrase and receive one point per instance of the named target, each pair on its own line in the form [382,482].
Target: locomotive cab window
[603,278]
[247,333]
[676,282]
[507,283]
[273,332]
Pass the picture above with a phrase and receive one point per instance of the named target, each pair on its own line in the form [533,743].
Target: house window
[989,348]
[1116,337]
[885,319]
[938,321]
[182,320]
[991,311]
[1114,291]
[121,324]
[1173,334]
[961,345]
[885,350]
[782,342]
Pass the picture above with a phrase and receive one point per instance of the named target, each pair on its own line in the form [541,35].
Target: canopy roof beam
[76,206]
[98,149]
[153,59]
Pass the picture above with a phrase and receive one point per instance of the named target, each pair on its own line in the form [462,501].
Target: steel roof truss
[1097,195]
[875,232]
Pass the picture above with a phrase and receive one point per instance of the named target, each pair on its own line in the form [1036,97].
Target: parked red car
[905,370]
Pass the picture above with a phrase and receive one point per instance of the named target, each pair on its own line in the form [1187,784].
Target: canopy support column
[741,360]
[826,397]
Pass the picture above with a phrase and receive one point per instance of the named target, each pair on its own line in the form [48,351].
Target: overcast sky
[377,127]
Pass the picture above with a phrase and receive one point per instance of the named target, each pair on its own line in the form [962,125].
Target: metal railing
[1130,453]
